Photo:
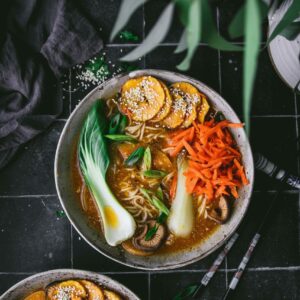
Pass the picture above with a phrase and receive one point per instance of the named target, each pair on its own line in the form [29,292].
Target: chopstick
[193,290]
[242,266]
[273,171]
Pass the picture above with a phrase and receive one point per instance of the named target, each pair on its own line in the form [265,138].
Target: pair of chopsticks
[194,291]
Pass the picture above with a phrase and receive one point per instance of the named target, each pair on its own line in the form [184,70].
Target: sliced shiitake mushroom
[130,248]
[220,212]
[156,240]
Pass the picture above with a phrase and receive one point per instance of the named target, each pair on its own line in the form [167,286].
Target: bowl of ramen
[65,284]
[154,169]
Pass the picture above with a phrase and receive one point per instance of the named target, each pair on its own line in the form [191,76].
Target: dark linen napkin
[39,40]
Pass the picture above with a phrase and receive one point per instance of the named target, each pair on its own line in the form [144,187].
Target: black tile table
[34,237]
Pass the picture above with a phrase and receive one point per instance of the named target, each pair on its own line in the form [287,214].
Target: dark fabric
[39,39]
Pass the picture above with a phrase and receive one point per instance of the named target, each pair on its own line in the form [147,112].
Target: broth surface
[202,228]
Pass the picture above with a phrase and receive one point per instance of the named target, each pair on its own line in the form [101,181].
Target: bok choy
[118,224]
[181,217]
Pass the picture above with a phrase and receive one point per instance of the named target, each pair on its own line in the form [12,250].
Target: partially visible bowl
[67,195]
[41,280]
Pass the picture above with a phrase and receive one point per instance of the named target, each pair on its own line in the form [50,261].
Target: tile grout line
[258,269]
[220,92]
[299,221]
[219,52]
[144,25]
[161,44]
[70,88]
[149,286]
[298,161]
[297,133]
[28,196]
[55,195]
[71,244]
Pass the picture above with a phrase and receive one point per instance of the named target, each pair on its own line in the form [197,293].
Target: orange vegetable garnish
[214,162]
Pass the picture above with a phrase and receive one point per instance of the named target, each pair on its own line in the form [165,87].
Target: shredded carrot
[214,161]
[177,149]
[189,148]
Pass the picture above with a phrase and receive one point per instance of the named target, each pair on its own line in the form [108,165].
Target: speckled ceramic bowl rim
[64,274]
[73,220]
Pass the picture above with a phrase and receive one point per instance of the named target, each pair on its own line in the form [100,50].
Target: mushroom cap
[221,212]
[155,242]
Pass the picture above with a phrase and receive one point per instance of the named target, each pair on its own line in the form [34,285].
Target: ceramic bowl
[66,192]
[41,280]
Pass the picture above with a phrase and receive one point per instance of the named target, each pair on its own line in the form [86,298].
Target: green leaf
[92,145]
[146,193]
[126,67]
[160,205]
[147,160]
[291,31]
[135,156]
[161,218]
[252,43]
[155,36]
[127,8]
[210,33]
[159,193]
[120,138]
[291,14]
[193,33]
[186,292]
[237,26]
[128,36]
[155,201]
[114,123]
[182,45]
[93,162]
[60,213]
[122,125]
[154,173]
[151,232]
[183,7]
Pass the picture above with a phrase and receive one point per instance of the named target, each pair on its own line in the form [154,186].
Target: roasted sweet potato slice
[94,291]
[178,110]
[69,289]
[192,97]
[142,98]
[39,295]
[110,295]
[204,108]
[165,110]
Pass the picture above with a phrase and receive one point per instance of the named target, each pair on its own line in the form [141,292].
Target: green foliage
[127,8]
[155,36]
[199,26]
[128,36]
[291,14]
[252,41]
[193,29]
[291,31]
[135,156]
